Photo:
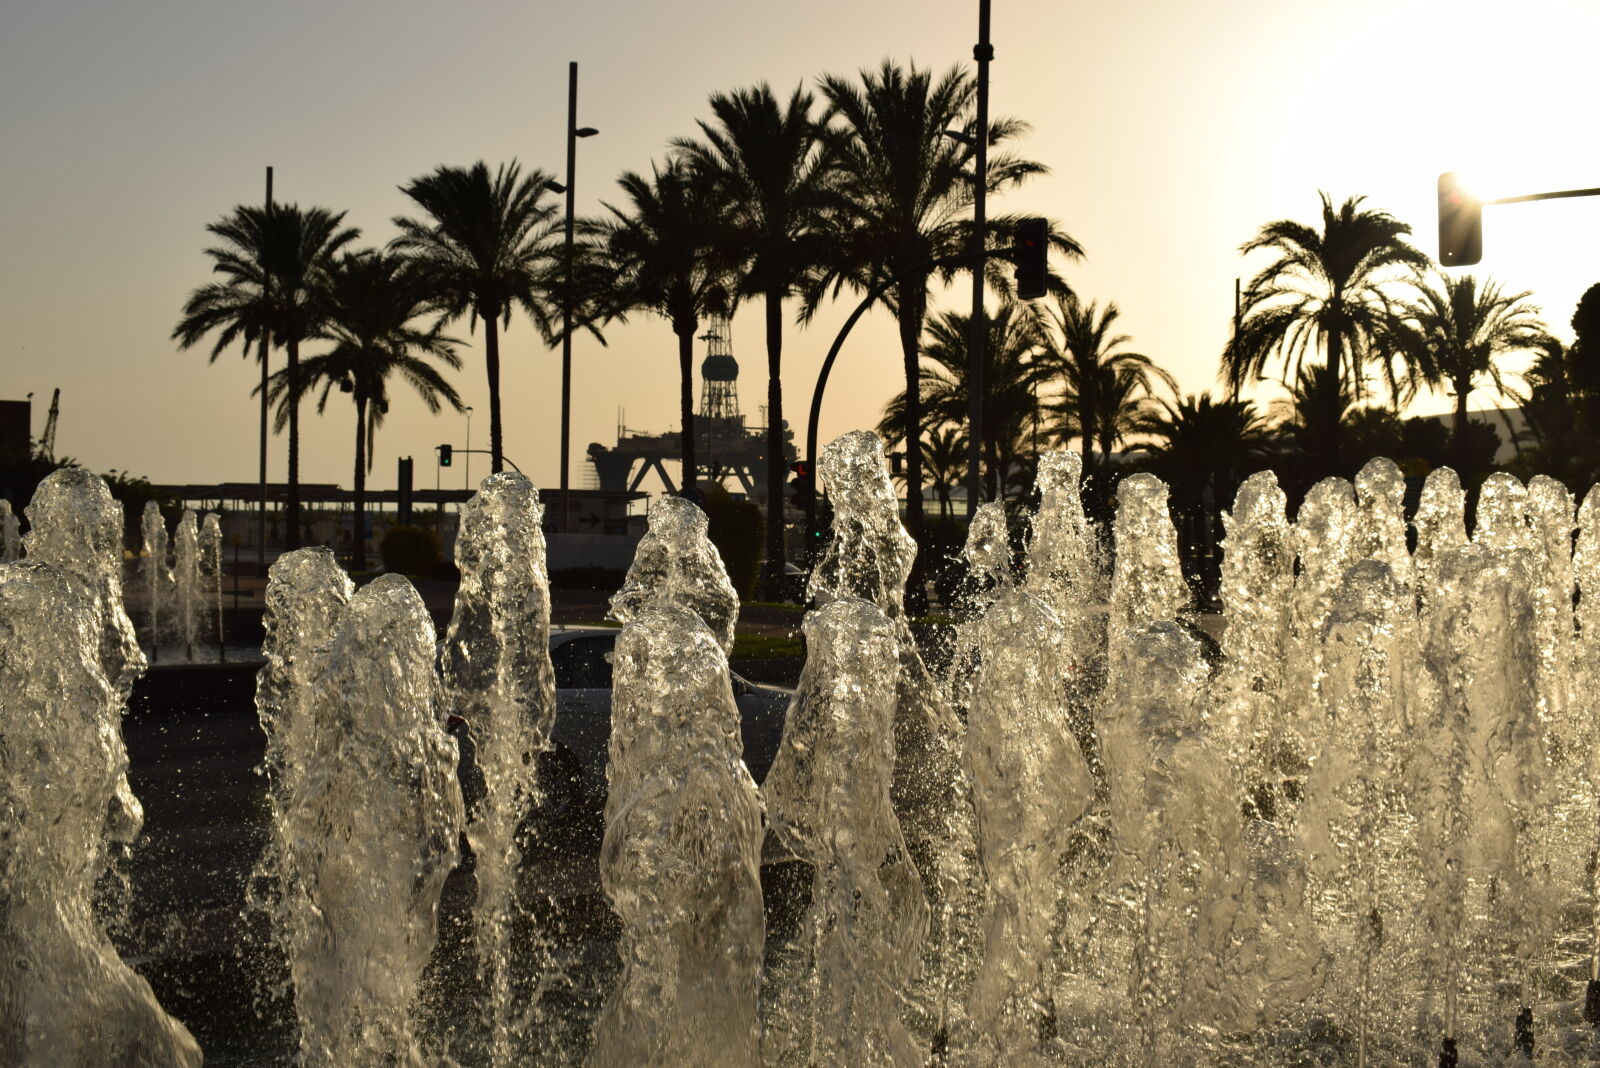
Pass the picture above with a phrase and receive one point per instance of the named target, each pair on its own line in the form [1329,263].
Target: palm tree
[901,199]
[275,260]
[373,302]
[944,457]
[1452,334]
[1011,379]
[1323,290]
[664,258]
[1103,386]
[488,246]
[767,164]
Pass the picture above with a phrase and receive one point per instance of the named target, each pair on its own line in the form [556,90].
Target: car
[572,772]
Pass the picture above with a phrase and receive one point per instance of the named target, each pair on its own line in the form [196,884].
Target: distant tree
[944,459]
[488,245]
[373,302]
[665,258]
[901,197]
[1454,332]
[769,167]
[275,263]
[1011,380]
[1104,388]
[1324,290]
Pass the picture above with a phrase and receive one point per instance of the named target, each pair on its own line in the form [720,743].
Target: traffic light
[444,455]
[1460,223]
[803,486]
[1030,251]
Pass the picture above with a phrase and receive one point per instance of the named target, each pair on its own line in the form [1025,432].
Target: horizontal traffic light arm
[483,452]
[1560,195]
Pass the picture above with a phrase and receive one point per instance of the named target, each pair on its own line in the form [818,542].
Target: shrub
[410,550]
[736,529]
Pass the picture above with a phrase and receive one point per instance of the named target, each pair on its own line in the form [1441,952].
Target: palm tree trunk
[1458,430]
[358,547]
[491,361]
[772,586]
[292,534]
[1331,463]
[686,404]
[913,299]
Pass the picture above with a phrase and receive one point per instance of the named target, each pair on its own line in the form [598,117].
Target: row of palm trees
[784,201]
[1336,309]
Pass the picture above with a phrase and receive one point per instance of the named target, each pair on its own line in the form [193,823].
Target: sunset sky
[1173,132]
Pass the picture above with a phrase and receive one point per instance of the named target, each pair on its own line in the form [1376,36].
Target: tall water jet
[186,580]
[1147,583]
[1354,730]
[1325,534]
[1065,570]
[988,556]
[498,677]
[10,535]
[306,593]
[1177,855]
[1586,684]
[1030,785]
[1502,515]
[66,997]
[1257,586]
[1551,525]
[371,830]
[157,576]
[211,571]
[827,798]
[1481,766]
[870,557]
[680,862]
[76,525]
[676,564]
[1381,517]
[1441,525]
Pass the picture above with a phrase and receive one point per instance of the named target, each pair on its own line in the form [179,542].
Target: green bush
[736,529]
[410,550]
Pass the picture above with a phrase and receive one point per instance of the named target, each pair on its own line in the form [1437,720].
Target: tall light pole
[983,52]
[266,346]
[467,451]
[574,131]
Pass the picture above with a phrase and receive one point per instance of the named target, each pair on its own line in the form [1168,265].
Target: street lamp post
[983,52]
[468,450]
[574,131]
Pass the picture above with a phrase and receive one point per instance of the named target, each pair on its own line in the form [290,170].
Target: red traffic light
[1460,223]
[801,468]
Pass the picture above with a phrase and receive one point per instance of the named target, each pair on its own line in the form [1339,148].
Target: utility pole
[574,131]
[983,52]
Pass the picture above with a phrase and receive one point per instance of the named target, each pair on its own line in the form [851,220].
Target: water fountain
[1360,833]
[157,575]
[10,537]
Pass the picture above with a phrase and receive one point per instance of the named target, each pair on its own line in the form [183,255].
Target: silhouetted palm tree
[373,300]
[1323,290]
[902,195]
[665,259]
[1011,379]
[1103,387]
[769,167]
[944,458]
[488,246]
[1452,334]
[275,261]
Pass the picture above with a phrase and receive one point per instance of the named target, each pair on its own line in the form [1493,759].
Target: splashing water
[1502,517]
[186,580]
[827,797]
[1441,525]
[677,564]
[1064,566]
[10,536]
[65,995]
[1381,517]
[1256,590]
[371,831]
[681,855]
[1030,784]
[870,557]
[1146,583]
[76,525]
[157,576]
[211,569]
[498,677]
